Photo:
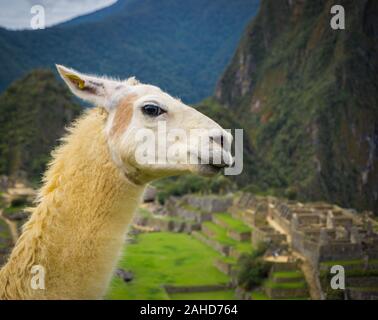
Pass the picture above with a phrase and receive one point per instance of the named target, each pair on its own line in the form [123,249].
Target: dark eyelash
[152,110]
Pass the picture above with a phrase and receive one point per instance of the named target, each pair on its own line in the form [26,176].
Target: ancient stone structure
[320,234]
[304,241]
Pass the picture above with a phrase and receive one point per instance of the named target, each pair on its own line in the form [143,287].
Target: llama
[93,186]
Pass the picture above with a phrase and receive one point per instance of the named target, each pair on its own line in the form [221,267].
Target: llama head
[151,134]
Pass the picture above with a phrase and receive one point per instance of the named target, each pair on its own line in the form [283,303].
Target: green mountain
[181,46]
[33,113]
[307,96]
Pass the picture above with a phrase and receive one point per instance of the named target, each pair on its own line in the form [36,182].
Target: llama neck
[78,227]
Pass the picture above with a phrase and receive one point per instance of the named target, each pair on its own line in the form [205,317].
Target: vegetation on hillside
[307,98]
[33,113]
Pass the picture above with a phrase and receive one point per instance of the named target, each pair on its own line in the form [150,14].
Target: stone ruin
[323,232]
[318,233]
[182,214]
[313,234]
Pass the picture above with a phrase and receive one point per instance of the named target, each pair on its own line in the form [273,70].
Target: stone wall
[372,253]
[192,214]
[340,251]
[242,294]
[308,219]
[285,266]
[210,203]
[279,293]
[223,266]
[309,249]
[222,249]
[283,223]
[266,234]
[258,236]
[239,236]
[165,224]
[220,222]
[234,253]
[354,294]
[362,282]
[245,215]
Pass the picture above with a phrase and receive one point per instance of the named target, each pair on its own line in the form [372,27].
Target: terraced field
[161,261]
[283,285]
[232,223]
[219,230]
[164,258]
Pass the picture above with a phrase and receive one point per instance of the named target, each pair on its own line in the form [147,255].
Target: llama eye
[152,110]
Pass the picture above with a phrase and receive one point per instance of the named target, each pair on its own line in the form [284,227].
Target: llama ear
[92,89]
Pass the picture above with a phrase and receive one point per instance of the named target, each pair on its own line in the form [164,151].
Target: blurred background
[305,95]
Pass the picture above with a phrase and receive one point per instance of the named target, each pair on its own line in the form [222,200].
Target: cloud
[16,14]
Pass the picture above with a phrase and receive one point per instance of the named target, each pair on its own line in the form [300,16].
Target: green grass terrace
[220,235]
[163,258]
[232,223]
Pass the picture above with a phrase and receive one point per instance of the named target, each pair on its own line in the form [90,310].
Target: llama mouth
[209,168]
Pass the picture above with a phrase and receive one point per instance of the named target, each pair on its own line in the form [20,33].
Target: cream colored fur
[78,226]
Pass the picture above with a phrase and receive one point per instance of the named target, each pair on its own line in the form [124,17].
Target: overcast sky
[15,14]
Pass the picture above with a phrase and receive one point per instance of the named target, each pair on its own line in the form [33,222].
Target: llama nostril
[218,139]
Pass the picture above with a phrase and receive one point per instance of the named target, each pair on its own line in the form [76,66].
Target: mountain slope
[309,98]
[33,113]
[98,15]
[181,46]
